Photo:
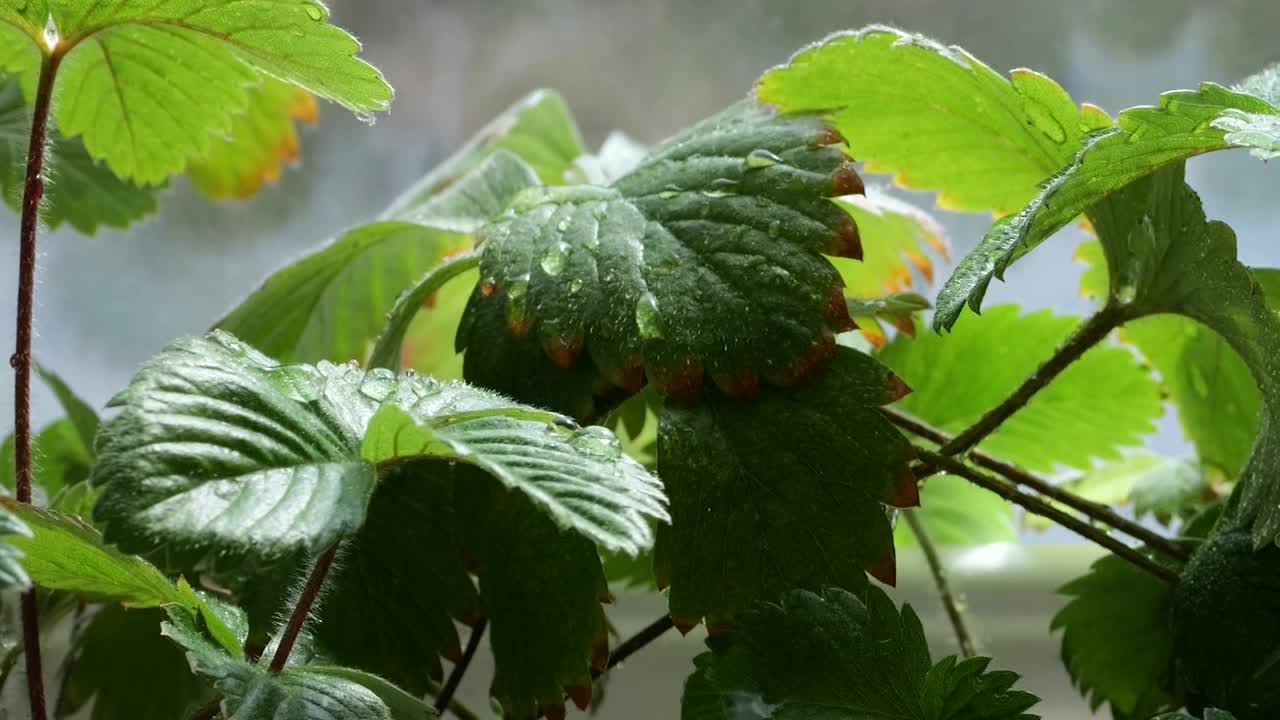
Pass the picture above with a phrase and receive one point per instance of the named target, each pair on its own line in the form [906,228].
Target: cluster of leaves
[701,295]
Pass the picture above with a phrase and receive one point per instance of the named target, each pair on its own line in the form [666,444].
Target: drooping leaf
[299,692]
[1186,123]
[268,459]
[260,141]
[332,304]
[799,476]
[840,656]
[82,417]
[1225,619]
[97,674]
[146,83]
[935,116]
[657,274]
[538,129]
[79,190]
[897,238]
[959,377]
[1116,640]
[1175,488]
[957,512]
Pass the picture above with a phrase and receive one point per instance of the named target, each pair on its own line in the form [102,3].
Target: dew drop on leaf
[598,212]
[761,158]
[775,228]
[554,260]
[51,37]
[314,11]
[1126,293]
[575,285]
[563,225]
[647,320]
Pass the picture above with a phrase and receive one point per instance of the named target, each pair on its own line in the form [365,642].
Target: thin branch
[1092,332]
[1038,506]
[445,698]
[1095,511]
[968,648]
[302,609]
[32,192]
[637,642]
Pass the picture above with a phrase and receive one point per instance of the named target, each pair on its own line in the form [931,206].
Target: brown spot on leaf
[580,695]
[452,651]
[809,366]
[519,325]
[741,386]
[886,568]
[898,388]
[905,324]
[836,311]
[682,383]
[488,287]
[554,711]
[829,136]
[684,625]
[847,181]
[719,627]
[906,490]
[923,264]
[847,242]
[600,654]
[563,351]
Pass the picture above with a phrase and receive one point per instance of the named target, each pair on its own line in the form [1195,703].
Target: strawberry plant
[545,373]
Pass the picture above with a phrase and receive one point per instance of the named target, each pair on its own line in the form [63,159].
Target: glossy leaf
[81,191]
[260,141]
[935,116]
[299,692]
[747,475]
[787,664]
[268,459]
[127,70]
[82,417]
[654,275]
[959,377]
[1116,641]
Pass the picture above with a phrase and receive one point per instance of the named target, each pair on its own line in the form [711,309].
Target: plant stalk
[1038,506]
[1094,511]
[301,610]
[635,643]
[20,361]
[1092,332]
[951,603]
[444,700]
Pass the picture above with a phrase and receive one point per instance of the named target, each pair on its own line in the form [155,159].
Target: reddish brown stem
[444,700]
[32,193]
[301,610]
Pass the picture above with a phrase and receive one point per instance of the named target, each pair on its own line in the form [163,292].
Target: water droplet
[712,194]
[410,373]
[1126,293]
[353,364]
[575,285]
[668,194]
[51,38]
[554,261]
[648,320]
[760,158]
[563,225]
[723,183]
[775,228]
[378,384]
[516,301]
[598,212]
[1040,117]
[314,11]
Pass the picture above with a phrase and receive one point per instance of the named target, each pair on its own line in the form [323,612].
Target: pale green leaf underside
[935,116]
[1101,403]
[957,512]
[897,238]
[145,81]
[13,576]
[220,448]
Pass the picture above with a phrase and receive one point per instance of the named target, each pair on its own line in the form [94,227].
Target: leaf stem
[1092,332]
[444,700]
[1039,506]
[302,609]
[637,642]
[386,349]
[968,648]
[20,361]
[1094,511]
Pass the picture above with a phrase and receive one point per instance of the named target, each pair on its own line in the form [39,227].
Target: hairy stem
[968,648]
[1034,504]
[444,699]
[32,192]
[1094,511]
[306,600]
[637,642]
[1092,332]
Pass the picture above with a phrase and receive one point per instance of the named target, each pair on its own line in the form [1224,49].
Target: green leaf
[956,381]
[1116,641]
[935,116]
[268,459]
[96,673]
[61,459]
[957,512]
[1148,138]
[332,304]
[724,222]
[1226,618]
[798,476]
[538,129]
[299,692]
[619,154]
[80,191]
[64,553]
[388,349]
[1175,488]
[896,239]
[82,417]
[839,656]
[13,574]
[146,82]
[261,139]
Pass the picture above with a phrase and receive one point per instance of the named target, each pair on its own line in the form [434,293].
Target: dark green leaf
[935,116]
[658,273]
[837,656]
[61,460]
[798,476]
[959,377]
[80,191]
[1116,641]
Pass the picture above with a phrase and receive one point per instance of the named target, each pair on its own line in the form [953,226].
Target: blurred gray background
[649,67]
